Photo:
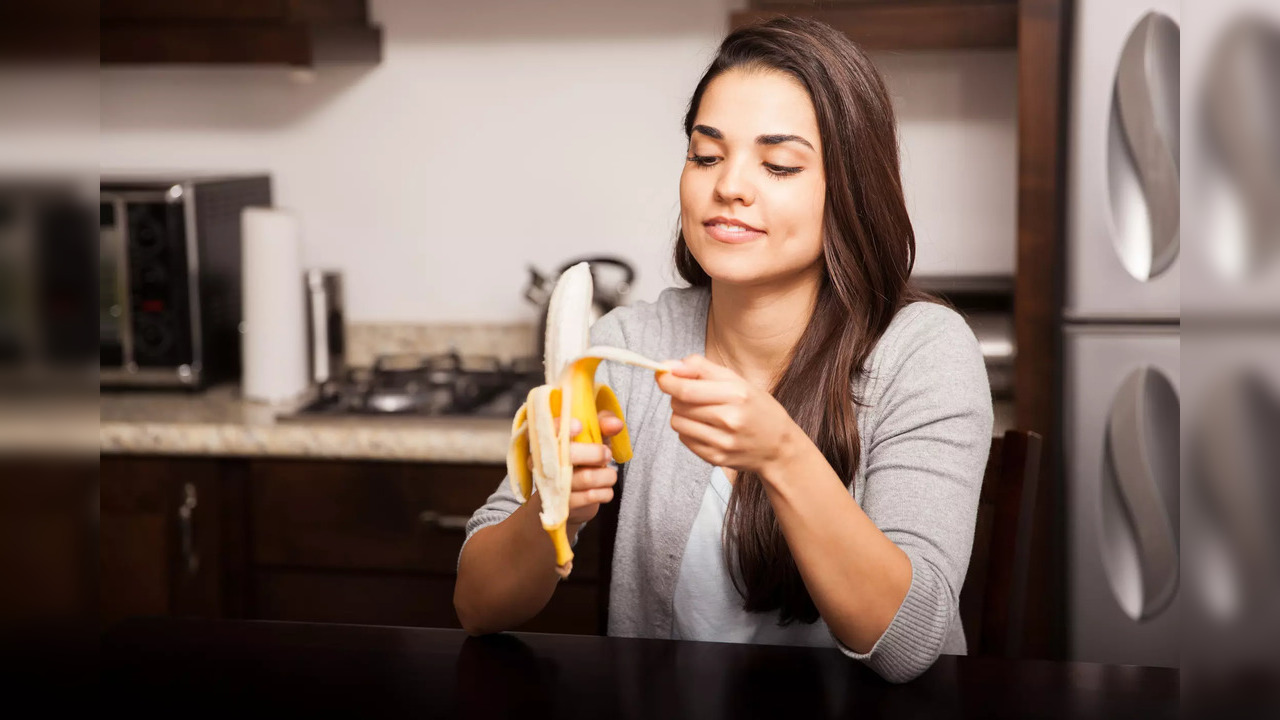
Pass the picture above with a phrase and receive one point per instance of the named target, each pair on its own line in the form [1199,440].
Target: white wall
[496,134]
[958,129]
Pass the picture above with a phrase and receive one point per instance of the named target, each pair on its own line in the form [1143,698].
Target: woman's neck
[753,329]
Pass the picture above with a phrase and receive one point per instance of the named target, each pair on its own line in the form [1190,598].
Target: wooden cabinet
[903,24]
[307,540]
[365,516]
[288,32]
[378,543]
[48,513]
[171,538]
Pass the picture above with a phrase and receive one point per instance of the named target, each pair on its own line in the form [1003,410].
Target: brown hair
[868,250]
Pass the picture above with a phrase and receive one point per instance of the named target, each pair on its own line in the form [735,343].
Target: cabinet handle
[186,528]
[448,523]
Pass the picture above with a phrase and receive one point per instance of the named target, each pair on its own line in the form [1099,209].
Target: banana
[538,456]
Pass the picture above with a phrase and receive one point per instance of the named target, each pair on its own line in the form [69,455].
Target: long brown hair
[868,250]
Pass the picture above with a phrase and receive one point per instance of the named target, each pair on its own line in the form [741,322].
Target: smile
[731,231]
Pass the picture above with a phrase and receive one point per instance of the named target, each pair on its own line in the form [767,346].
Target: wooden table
[182,667]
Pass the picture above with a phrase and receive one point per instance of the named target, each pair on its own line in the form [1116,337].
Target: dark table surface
[184,667]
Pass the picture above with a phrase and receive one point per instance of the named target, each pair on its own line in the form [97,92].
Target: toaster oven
[170,278]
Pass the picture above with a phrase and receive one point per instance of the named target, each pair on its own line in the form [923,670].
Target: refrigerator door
[1122,492]
[1231,517]
[1232,185]
[1123,222]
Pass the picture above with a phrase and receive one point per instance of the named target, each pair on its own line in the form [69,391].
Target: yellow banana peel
[538,456]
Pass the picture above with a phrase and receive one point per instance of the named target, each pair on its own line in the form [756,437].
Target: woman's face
[753,189]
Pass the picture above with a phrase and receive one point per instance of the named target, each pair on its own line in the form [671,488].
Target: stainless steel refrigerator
[1121,334]
[1231,354]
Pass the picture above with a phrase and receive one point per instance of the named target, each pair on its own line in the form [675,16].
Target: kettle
[606,294]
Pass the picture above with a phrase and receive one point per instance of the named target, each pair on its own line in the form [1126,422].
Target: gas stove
[411,385]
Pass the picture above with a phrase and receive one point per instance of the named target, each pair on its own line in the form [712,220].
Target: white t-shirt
[706,604]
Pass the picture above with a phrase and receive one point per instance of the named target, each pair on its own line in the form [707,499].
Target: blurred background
[327,231]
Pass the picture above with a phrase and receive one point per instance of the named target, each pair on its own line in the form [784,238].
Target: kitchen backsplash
[365,341]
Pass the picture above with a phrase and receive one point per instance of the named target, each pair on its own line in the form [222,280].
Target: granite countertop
[219,422]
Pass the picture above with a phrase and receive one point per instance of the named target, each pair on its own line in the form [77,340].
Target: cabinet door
[48,513]
[378,543]
[164,523]
[395,517]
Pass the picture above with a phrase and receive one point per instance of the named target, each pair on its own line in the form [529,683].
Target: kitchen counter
[219,422]
[372,671]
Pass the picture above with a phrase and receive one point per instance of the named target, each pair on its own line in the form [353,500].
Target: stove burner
[408,383]
[447,384]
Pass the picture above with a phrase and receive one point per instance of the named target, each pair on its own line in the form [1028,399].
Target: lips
[730,230]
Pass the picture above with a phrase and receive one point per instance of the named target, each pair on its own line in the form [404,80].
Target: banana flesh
[538,457]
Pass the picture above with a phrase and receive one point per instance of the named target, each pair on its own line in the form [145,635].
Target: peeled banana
[538,456]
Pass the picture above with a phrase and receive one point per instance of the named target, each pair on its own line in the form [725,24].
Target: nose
[734,184]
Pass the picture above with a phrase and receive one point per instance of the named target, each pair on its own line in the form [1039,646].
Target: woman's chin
[755,268]
[735,270]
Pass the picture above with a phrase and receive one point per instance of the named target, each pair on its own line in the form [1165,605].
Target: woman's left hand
[724,419]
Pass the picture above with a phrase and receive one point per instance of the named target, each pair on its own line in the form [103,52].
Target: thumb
[610,424]
[575,425]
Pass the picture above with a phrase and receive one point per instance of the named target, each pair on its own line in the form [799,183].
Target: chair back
[993,599]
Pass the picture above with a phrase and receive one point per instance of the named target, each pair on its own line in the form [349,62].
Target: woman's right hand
[593,479]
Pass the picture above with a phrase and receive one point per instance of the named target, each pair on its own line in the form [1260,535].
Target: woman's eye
[781,170]
[774,170]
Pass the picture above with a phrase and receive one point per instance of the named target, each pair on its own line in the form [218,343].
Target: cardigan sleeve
[930,435]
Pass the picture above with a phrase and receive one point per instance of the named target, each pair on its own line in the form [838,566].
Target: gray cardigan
[926,433]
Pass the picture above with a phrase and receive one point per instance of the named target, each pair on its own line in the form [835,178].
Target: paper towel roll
[274,346]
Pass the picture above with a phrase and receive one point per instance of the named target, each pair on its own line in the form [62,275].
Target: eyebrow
[760,140]
[779,139]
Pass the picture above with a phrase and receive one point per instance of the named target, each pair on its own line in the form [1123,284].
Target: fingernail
[575,426]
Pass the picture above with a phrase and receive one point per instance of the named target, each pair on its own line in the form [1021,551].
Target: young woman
[809,474]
